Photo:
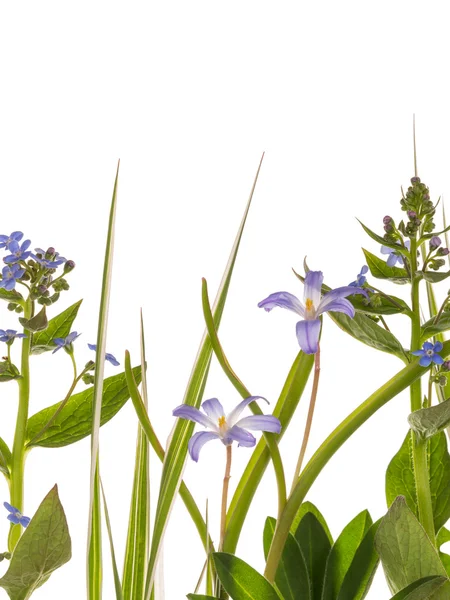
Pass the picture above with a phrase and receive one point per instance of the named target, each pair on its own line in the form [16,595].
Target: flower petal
[241,436]
[437,359]
[392,259]
[313,287]
[419,353]
[9,507]
[428,346]
[184,411]
[233,416]
[340,292]
[24,521]
[425,361]
[364,270]
[198,440]
[213,409]
[438,346]
[283,300]
[308,335]
[13,518]
[260,423]
[386,250]
[340,305]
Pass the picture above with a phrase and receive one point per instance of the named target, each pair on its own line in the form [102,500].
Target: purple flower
[17,252]
[435,242]
[10,276]
[429,354]
[394,257]
[49,263]
[109,357]
[65,343]
[5,240]
[16,516]
[9,335]
[308,329]
[227,429]
[360,278]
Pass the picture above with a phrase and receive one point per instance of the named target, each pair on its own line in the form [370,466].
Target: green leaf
[240,580]
[58,327]
[406,551]
[383,242]
[11,296]
[361,572]
[400,478]
[309,507]
[343,553]
[74,422]
[442,537]
[423,589]
[36,323]
[379,304]
[8,371]
[427,422]
[201,597]
[292,579]
[430,328]
[176,453]
[368,332]
[315,546]
[434,276]
[117,584]
[5,457]
[44,547]
[381,270]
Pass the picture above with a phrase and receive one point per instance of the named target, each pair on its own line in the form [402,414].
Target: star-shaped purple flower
[5,240]
[429,354]
[394,257]
[308,329]
[17,252]
[49,263]
[227,429]
[65,343]
[10,275]
[9,335]
[16,516]
[109,357]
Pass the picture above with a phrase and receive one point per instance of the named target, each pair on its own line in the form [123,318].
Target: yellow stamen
[309,304]
[222,421]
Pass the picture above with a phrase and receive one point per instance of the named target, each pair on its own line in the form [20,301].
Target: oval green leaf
[240,580]
[423,589]
[381,270]
[58,327]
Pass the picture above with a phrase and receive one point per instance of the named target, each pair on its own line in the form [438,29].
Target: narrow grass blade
[117,584]
[177,451]
[137,547]
[94,562]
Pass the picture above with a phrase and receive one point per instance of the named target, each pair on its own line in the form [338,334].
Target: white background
[188,95]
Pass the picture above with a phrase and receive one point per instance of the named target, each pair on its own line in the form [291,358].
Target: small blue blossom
[17,252]
[16,516]
[10,275]
[65,343]
[5,240]
[394,257]
[360,278]
[429,354]
[49,263]
[109,357]
[9,335]
[227,429]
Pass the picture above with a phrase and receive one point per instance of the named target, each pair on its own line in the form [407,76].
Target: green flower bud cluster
[419,207]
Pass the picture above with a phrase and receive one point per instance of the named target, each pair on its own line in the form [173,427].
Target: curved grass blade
[94,563]
[117,585]
[177,451]
[138,537]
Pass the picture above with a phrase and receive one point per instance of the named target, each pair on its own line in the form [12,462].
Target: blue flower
[49,263]
[17,252]
[360,279]
[16,516]
[9,335]
[429,354]
[5,240]
[308,330]
[109,357]
[394,257]
[10,276]
[66,343]
[227,429]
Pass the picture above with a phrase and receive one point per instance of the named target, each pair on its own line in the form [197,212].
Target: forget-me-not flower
[109,357]
[65,342]
[360,278]
[5,240]
[308,329]
[226,428]
[16,516]
[429,354]
[48,263]
[10,275]
[394,257]
[17,252]
[9,335]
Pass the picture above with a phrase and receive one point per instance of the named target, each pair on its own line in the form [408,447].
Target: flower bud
[415,180]
[412,214]
[442,381]
[388,228]
[387,220]
[69,266]
[435,242]
[446,366]
[443,252]
[50,252]
[11,306]
[42,289]
[90,365]
[87,379]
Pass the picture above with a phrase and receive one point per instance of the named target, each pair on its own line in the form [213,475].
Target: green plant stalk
[18,452]
[419,446]
[334,441]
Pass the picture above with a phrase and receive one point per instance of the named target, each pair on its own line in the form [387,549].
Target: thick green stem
[18,452]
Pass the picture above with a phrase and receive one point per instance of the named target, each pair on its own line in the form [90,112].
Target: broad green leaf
[11,296]
[434,276]
[365,330]
[427,422]
[117,585]
[430,328]
[176,453]
[379,304]
[361,572]
[292,579]
[342,554]
[5,457]
[423,589]
[383,242]
[381,270]
[315,546]
[36,323]
[240,580]
[44,547]
[442,537]
[8,371]
[400,478]
[406,552]
[309,507]
[74,422]
[58,327]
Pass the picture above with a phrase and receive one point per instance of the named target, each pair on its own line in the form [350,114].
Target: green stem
[18,451]
[334,441]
